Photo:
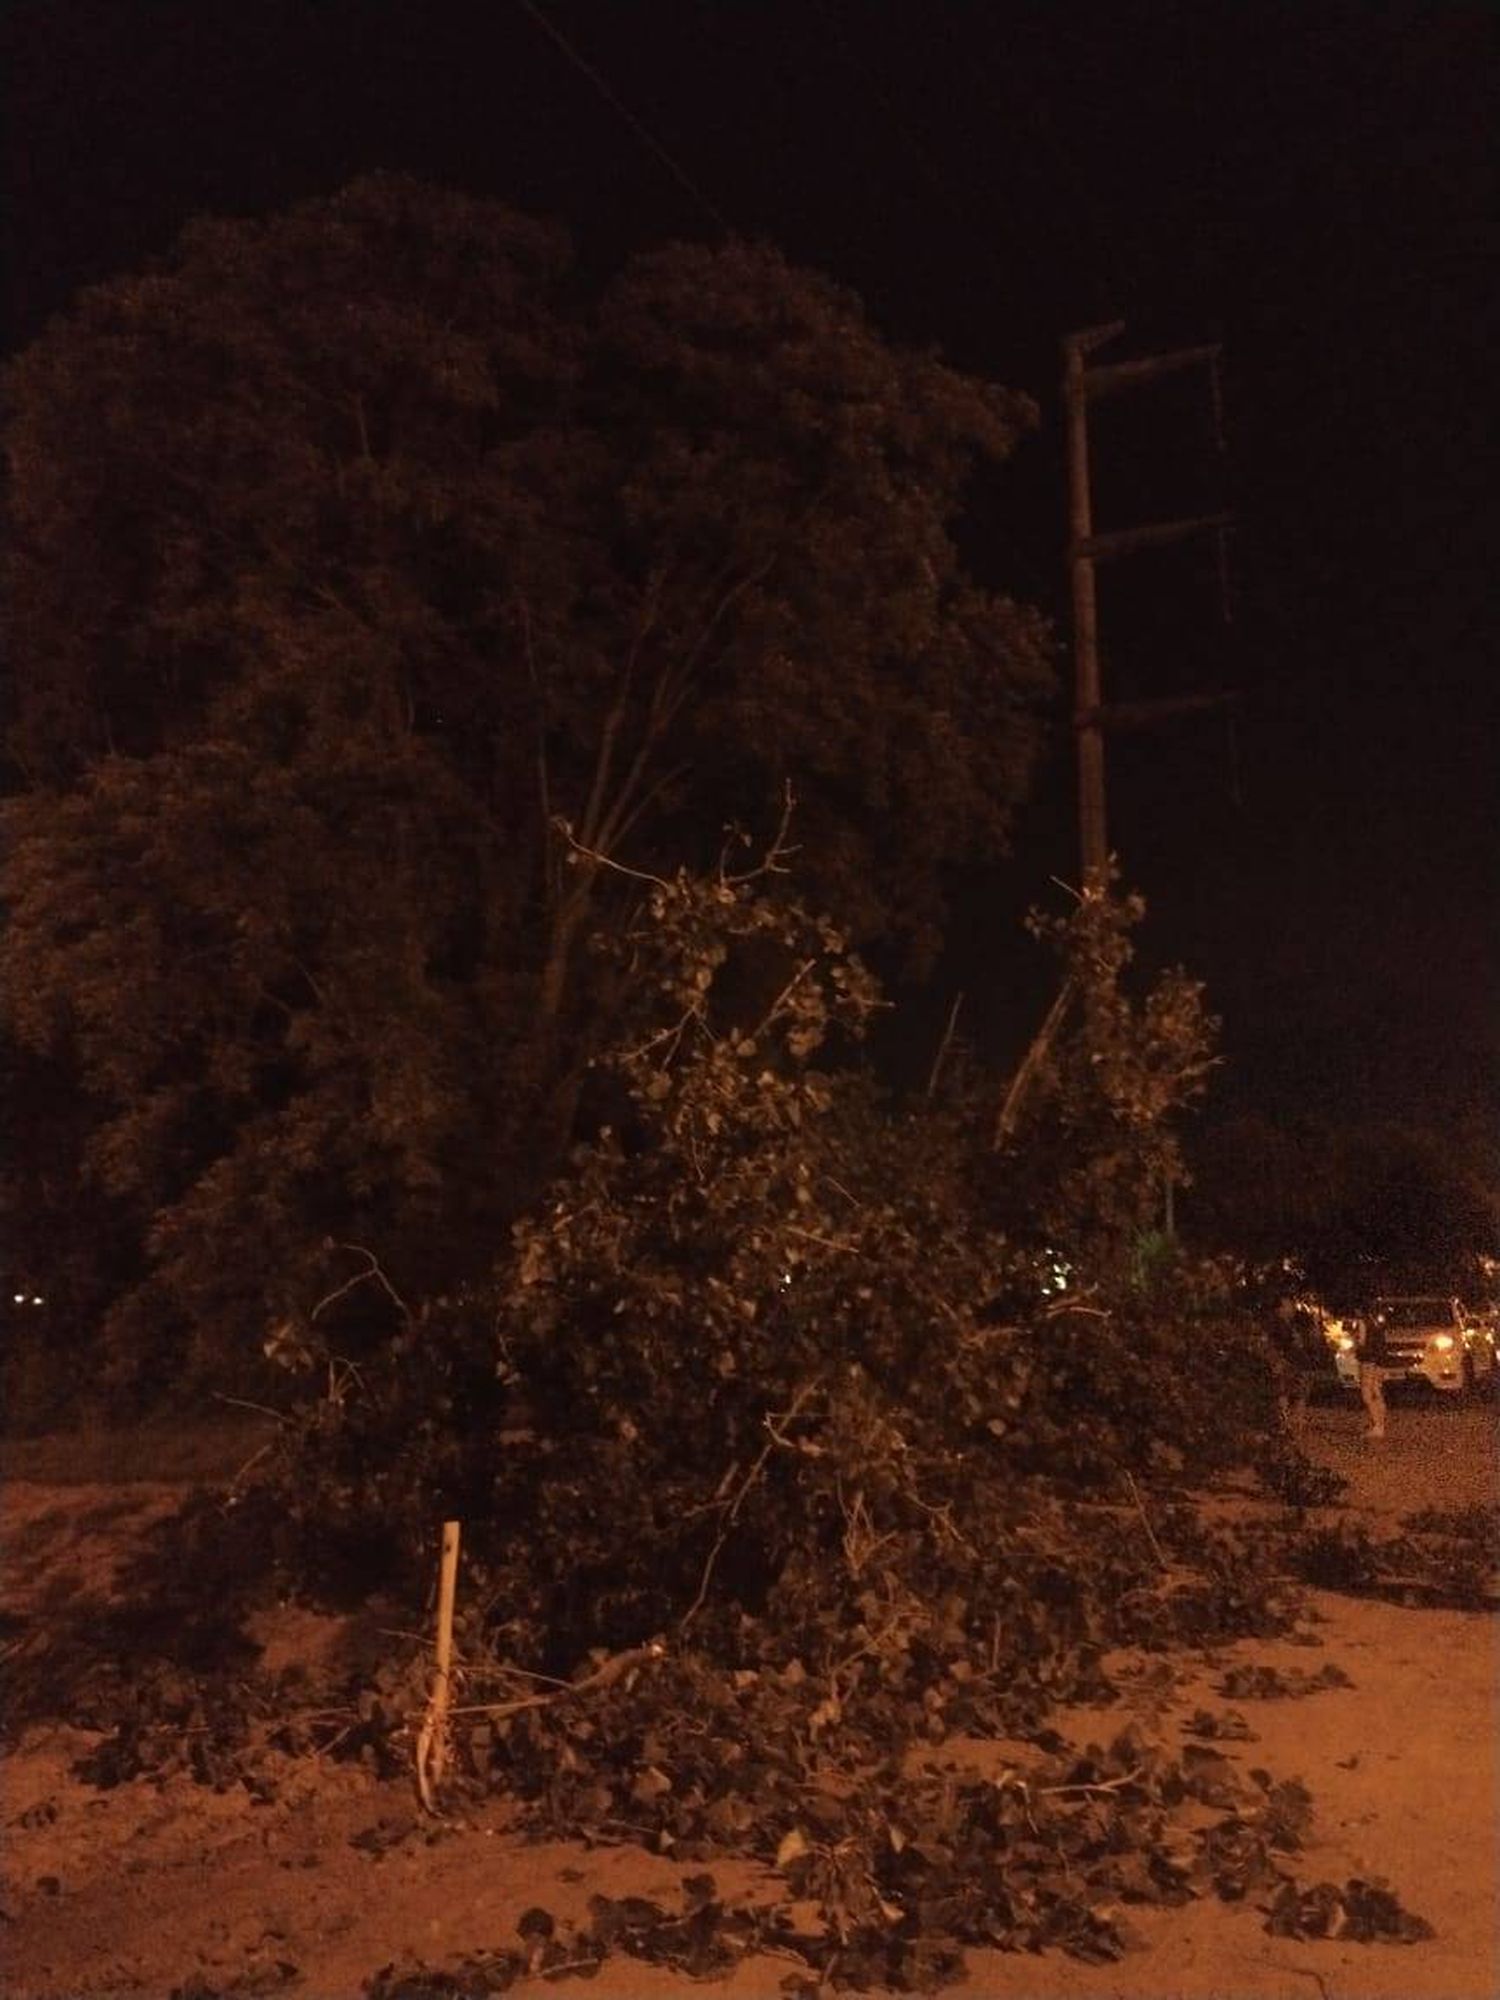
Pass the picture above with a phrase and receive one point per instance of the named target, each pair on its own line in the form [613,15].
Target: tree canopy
[384,589]
[766,1299]
[1362,1208]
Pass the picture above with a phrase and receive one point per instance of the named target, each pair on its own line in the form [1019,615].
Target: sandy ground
[150,1887]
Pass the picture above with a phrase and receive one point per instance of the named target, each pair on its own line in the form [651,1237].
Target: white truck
[1429,1338]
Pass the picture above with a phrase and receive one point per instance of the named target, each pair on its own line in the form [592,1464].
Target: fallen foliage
[1437,1557]
[780,1478]
[1262,1683]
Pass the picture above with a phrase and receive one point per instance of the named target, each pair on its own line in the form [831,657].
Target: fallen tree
[772,1337]
[778,1470]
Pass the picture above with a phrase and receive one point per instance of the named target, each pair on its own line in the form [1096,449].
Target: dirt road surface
[153,1888]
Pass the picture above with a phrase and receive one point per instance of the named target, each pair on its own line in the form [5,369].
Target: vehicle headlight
[1442,1342]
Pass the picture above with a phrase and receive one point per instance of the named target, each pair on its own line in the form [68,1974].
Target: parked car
[1430,1338]
[1481,1349]
[1299,1334]
[1342,1335]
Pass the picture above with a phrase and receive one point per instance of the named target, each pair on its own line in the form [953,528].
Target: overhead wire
[963,216]
[958,213]
[637,126]
[910,144]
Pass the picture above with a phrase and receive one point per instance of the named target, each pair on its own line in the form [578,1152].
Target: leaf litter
[888,1866]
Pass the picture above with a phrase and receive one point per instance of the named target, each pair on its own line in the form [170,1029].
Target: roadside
[153,1885]
[1432,1455]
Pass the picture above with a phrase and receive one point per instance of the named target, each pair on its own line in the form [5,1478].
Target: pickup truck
[1431,1338]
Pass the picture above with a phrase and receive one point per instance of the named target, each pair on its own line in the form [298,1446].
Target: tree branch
[1036,1055]
[595,815]
[647,798]
[543,778]
[374,1271]
[731,1512]
[773,861]
[667,698]
[943,1046]
[782,997]
[601,860]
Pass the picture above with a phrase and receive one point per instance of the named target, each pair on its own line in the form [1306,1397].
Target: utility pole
[1091,715]
[1093,844]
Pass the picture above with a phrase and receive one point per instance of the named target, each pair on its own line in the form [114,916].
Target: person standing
[1301,1355]
[1371,1349]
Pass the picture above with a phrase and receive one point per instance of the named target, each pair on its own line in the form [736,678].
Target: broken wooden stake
[432,1738]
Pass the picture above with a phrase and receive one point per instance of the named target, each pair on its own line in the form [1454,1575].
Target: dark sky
[1308,184]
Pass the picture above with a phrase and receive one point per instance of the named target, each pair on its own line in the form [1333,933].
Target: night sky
[1307,184]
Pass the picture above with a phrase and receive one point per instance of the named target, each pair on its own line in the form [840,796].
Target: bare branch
[260,1409]
[773,862]
[1036,1055]
[647,799]
[312,985]
[373,1271]
[943,1046]
[823,1242]
[782,997]
[600,822]
[543,777]
[1140,1508]
[594,811]
[602,860]
[611,1670]
[726,601]
[1104,1786]
[775,1427]
[669,694]
[672,1035]
[264,994]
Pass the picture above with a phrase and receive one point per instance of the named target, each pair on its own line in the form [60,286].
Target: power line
[958,212]
[909,141]
[648,139]
[911,144]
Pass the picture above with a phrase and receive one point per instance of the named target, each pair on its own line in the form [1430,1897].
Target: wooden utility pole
[1093,844]
[1091,716]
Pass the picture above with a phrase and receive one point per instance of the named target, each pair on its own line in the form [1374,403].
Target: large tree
[1358,1208]
[383,589]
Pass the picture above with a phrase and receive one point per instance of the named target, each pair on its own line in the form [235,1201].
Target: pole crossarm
[1092,715]
[1142,714]
[1125,541]
[1090,337]
[1114,375]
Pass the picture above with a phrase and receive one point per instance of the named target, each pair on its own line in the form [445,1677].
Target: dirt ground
[155,1887]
